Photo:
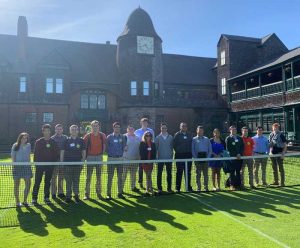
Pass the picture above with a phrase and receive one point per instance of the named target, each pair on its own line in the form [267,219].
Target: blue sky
[190,27]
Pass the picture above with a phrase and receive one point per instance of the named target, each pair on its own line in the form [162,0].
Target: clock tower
[139,60]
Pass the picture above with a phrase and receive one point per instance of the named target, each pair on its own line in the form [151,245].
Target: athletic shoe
[170,191]
[68,200]
[121,196]
[100,197]
[108,198]
[86,198]
[54,196]
[135,189]
[76,198]
[34,202]
[18,205]
[62,195]
[47,200]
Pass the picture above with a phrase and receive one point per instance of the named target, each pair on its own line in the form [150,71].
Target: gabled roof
[279,60]
[189,70]
[88,62]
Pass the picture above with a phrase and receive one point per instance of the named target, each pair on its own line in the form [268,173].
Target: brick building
[56,81]
[253,81]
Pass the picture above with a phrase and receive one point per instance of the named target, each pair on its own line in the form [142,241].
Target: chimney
[22,37]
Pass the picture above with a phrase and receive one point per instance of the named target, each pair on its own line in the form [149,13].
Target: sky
[188,27]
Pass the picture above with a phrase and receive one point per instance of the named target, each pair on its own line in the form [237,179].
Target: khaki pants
[110,174]
[249,164]
[263,163]
[201,167]
[277,163]
[132,169]
[89,172]
[57,181]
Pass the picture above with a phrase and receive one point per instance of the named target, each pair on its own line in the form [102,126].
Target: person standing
[278,145]
[116,145]
[140,132]
[261,147]
[164,147]
[131,152]
[95,147]
[45,150]
[58,172]
[20,152]
[201,148]
[74,151]
[248,151]
[183,150]
[148,152]
[235,147]
[218,146]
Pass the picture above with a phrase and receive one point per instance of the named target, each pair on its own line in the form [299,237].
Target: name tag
[248,143]
[78,146]
[115,141]
[72,144]
[120,140]
[48,145]
[184,137]
[198,141]
[233,143]
[149,149]
[236,140]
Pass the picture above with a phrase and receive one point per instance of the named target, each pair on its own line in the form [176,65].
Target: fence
[122,185]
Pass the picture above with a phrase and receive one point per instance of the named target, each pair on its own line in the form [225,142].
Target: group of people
[140,144]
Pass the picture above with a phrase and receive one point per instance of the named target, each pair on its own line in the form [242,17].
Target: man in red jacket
[248,151]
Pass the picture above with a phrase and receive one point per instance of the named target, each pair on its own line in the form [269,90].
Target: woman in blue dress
[218,146]
[20,152]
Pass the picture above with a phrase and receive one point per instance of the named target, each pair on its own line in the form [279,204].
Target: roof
[281,59]
[87,61]
[189,70]
[139,23]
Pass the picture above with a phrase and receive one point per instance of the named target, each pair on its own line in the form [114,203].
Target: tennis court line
[240,222]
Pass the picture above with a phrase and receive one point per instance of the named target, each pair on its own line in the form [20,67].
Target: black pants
[160,168]
[180,166]
[39,171]
[140,174]
[235,172]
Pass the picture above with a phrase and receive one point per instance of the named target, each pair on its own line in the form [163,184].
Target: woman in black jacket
[148,152]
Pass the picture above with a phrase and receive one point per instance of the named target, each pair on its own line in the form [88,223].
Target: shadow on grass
[146,211]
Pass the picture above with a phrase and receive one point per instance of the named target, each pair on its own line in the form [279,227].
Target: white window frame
[49,85]
[59,85]
[146,88]
[48,117]
[223,86]
[133,88]
[86,101]
[23,85]
[223,58]
[101,101]
[31,114]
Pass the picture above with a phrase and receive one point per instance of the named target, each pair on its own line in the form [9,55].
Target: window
[146,88]
[133,88]
[223,86]
[22,84]
[93,101]
[101,102]
[223,57]
[48,117]
[84,101]
[156,89]
[30,117]
[49,85]
[59,86]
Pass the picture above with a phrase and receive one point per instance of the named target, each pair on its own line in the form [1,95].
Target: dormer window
[54,85]
[223,61]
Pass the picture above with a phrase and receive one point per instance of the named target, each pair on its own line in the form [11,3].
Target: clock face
[145,45]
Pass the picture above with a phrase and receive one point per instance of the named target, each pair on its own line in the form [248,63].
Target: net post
[186,176]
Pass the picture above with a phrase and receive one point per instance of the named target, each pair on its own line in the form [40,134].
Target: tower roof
[139,23]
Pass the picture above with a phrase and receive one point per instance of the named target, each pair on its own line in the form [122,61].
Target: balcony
[273,88]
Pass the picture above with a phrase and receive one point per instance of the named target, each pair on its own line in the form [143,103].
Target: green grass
[165,221]
[224,219]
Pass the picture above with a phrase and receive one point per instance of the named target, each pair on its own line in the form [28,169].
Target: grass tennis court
[268,217]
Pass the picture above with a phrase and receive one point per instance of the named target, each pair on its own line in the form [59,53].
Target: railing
[239,95]
[297,81]
[253,92]
[272,88]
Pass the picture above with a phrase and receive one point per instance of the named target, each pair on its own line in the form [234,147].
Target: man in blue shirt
[140,132]
[261,147]
[116,144]
[201,148]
